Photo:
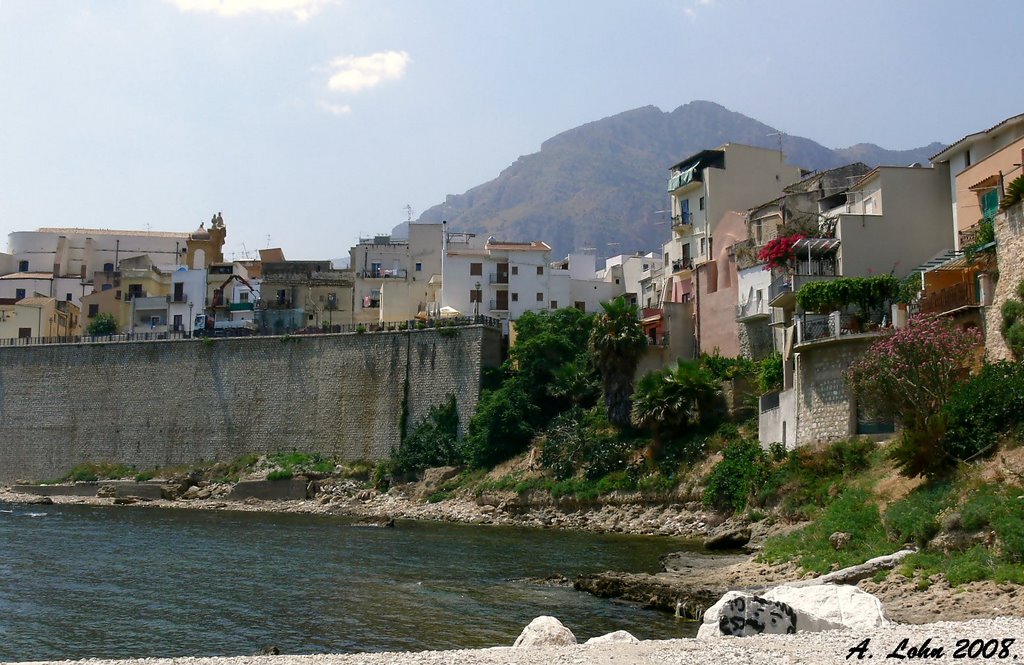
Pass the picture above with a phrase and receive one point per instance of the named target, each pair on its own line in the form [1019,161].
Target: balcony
[498,306]
[497,278]
[151,303]
[380,273]
[241,307]
[949,299]
[783,289]
[753,309]
[820,327]
[685,263]
[179,298]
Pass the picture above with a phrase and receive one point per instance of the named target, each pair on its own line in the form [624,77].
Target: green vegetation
[617,342]
[1013,323]
[93,471]
[433,442]
[869,294]
[102,324]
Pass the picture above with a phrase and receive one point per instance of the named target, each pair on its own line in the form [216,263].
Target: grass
[93,471]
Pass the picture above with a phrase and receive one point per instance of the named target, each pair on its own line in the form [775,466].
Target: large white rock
[545,632]
[786,609]
[618,637]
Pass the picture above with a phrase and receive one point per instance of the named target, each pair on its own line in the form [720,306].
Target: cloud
[355,73]
[301,9]
[336,109]
[695,6]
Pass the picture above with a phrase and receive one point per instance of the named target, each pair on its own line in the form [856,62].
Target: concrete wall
[150,404]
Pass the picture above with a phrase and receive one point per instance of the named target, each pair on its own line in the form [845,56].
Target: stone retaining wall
[149,404]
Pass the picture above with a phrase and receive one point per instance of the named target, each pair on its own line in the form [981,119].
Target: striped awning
[815,246]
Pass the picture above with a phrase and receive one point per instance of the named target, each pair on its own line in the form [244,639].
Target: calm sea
[80,581]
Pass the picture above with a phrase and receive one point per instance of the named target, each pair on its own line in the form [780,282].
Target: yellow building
[40,317]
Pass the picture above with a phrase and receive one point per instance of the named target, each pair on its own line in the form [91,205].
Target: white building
[396,277]
[70,256]
[630,271]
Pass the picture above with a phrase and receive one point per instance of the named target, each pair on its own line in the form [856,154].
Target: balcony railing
[496,306]
[685,263]
[497,278]
[814,327]
[969,236]
[949,299]
[768,401]
[753,307]
[380,273]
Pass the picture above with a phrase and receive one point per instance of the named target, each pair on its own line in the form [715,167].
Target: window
[616,280]
[554,304]
[67,296]
[24,333]
[515,270]
[108,267]
[321,297]
[476,269]
[154,321]
[22,266]
[419,267]
[19,294]
[106,287]
[540,297]
[869,205]
[700,205]
[178,326]
[580,305]
[647,267]
[540,270]
[375,269]
[515,297]
[476,295]
[94,309]
[243,296]
[134,291]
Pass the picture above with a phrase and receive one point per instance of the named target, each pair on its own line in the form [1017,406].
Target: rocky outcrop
[545,631]
[654,591]
[787,610]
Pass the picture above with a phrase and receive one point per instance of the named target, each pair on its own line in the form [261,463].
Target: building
[70,257]
[396,278]
[630,271]
[894,220]
[39,317]
[304,295]
[967,152]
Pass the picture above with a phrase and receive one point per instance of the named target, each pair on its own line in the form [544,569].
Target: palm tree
[617,342]
[668,401]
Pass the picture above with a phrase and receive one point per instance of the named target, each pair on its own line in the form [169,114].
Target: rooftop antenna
[408,213]
[268,241]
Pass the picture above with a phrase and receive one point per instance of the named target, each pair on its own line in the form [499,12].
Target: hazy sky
[316,121]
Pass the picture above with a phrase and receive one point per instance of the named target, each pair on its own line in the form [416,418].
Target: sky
[310,123]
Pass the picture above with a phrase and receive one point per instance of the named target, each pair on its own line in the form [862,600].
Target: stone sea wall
[148,404]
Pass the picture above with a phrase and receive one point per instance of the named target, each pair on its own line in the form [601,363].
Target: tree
[909,375]
[669,401]
[102,324]
[617,342]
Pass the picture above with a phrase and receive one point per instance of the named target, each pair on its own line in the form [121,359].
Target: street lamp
[191,322]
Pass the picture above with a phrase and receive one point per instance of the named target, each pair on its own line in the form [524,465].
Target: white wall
[39,248]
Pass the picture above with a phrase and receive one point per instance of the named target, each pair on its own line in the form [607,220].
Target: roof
[505,245]
[35,300]
[946,153]
[272,255]
[111,232]
[816,246]
[28,275]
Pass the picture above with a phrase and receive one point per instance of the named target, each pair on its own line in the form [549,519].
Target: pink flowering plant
[778,253]
[909,375]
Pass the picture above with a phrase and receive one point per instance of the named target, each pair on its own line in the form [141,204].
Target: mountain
[603,184]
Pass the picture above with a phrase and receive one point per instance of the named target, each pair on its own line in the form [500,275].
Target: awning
[685,177]
[985,183]
[815,246]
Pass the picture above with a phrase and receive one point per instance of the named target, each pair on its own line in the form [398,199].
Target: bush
[909,375]
[102,324]
[983,409]
[433,442]
[742,469]
[584,443]
[770,373]
[501,426]
[280,474]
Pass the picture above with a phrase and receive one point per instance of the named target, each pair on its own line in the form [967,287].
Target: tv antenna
[779,135]
[408,212]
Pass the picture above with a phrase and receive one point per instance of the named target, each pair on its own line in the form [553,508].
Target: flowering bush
[909,375]
[779,251]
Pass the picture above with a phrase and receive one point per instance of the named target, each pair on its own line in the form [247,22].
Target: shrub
[280,474]
[1013,323]
[983,409]
[869,294]
[433,442]
[102,324]
[778,252]
[770,373]
[670,401]
[910,374]
[735,477]
[501,426]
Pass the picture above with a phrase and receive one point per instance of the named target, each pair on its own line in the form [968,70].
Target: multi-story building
[297,295]
[36,316]
[395,278]
[961,156]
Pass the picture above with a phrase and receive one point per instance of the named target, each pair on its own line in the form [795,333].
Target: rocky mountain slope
[603,184]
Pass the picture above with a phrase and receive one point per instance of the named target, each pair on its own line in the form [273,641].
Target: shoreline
[810,648]
[682,584]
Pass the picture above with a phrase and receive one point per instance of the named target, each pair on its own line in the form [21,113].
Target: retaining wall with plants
[150,404]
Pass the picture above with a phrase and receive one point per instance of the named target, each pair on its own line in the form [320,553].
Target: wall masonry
[826,410]
[1009,227]
[149,404]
